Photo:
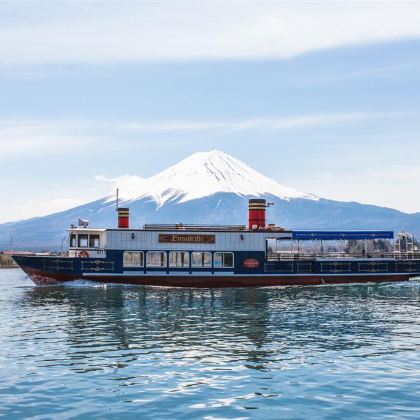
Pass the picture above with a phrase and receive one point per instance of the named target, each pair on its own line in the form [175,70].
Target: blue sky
[321,96]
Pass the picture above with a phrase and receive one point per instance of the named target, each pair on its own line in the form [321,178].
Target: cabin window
[223,260]
[156,259]
[201,259]
[133,259]
[179,259]
[94,241]
[72,240]
[83,241]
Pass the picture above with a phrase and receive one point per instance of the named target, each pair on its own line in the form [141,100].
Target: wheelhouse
[89,242]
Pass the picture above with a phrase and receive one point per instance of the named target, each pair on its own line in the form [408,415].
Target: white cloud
[19,137]
[129,185]
[391,186]
[267,123]
[125,31]
[26,137]
[36,207]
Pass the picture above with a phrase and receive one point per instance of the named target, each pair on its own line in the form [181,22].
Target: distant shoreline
[7,262]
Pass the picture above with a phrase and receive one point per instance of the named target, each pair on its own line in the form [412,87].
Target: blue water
[95,351]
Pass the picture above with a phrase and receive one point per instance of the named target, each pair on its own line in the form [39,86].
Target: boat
[252,255]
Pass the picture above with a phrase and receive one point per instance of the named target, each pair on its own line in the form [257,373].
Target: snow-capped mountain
[202,175]
[210,187]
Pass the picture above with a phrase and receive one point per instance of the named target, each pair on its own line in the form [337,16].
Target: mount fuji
[211,187]
[204,175]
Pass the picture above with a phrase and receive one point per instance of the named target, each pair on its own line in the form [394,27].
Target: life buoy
[84,254]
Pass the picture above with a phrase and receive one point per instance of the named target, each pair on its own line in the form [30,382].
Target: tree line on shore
[6,261]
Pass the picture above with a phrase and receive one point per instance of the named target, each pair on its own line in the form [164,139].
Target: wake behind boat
[256,255]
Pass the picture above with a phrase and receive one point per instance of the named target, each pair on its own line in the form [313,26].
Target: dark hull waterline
[41,277]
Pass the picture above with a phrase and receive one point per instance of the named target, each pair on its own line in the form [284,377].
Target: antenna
[62,245]
[117,200]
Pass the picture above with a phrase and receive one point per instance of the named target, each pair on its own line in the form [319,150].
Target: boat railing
[299,256]
[182,227]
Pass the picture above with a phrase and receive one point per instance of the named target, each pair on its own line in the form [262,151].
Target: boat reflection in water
[263,324]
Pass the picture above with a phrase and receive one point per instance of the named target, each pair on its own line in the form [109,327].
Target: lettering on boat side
[174,238]
[251,263]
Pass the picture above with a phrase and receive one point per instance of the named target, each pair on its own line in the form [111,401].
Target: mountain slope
[206,188]
[202,175]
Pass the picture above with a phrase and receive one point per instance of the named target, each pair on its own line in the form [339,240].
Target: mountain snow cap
[203,174]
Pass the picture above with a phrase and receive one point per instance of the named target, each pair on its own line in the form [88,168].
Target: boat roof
[340,235]
[181,228]
[85,229]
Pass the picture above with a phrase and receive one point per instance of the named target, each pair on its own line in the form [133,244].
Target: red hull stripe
[44,277]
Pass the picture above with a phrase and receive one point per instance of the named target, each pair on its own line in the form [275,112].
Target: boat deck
[299,256]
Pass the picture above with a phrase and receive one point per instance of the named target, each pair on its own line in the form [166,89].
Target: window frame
[202,258]
[223,265]
[81,235]
[95,235]
[148,265]
[141,253]
[177,253]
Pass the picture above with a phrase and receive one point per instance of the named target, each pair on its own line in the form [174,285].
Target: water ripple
[93,350]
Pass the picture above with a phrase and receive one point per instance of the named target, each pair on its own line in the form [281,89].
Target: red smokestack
[256,207]
[123,217]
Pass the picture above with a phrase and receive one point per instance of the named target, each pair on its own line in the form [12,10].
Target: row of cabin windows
[84,241]
[178,259]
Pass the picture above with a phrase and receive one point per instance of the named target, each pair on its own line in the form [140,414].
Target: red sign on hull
[251,263]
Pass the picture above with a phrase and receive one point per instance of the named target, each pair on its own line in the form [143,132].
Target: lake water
[92,350]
